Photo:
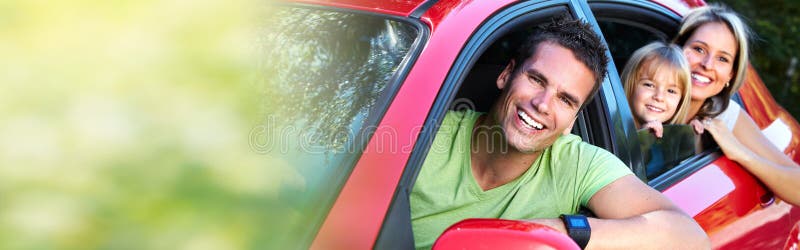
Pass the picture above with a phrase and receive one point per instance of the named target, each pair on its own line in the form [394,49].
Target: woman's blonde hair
[652,58]
[714,13]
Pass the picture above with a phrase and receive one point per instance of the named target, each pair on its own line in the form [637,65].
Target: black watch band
[578,228]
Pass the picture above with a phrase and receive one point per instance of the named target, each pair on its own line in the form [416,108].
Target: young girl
[658,86]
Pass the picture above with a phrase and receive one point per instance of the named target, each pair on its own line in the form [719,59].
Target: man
[515,162]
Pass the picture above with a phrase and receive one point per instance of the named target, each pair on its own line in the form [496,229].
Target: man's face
[541,100]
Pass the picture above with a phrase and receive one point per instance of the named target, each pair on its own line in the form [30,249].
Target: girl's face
[656,94]
[710,52]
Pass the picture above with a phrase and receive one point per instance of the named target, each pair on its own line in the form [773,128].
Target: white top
[730,115]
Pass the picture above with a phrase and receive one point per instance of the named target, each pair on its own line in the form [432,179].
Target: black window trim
[620,116]
[610,127]
[684,169]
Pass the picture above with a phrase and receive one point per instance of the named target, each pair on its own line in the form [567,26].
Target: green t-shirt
[560,181]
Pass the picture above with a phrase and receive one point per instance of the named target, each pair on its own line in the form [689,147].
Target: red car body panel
[794,237]
[730,209]
[357,215]
[389,7]
[678,6]
[765,110]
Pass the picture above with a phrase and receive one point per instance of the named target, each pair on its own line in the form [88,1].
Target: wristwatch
[578,228]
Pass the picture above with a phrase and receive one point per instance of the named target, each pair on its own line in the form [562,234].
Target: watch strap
[577,228]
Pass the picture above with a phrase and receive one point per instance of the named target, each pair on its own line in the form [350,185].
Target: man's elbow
[695,235]
[684,231]
[702,241]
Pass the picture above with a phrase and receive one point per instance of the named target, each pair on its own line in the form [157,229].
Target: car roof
[391,7]
[407,7]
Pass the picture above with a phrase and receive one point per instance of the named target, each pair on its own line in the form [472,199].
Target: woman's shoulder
[731,114]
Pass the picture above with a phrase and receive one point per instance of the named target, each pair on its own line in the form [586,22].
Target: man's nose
[541,102]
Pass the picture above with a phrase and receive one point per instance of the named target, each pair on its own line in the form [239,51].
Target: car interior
[625,29]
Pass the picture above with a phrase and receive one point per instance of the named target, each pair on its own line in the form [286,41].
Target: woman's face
[710,52]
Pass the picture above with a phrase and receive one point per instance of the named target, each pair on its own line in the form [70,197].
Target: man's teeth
[528,121]
[700,78]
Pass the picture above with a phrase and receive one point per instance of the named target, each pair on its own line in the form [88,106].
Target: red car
[362,86]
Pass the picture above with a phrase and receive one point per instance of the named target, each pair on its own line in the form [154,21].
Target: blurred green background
[775,51]
[124,125]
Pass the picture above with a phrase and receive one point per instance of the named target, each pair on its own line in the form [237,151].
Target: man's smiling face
[542,98]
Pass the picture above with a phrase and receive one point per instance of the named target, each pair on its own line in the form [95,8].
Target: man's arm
[632,215]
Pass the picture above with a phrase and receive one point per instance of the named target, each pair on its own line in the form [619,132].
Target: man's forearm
[658,229]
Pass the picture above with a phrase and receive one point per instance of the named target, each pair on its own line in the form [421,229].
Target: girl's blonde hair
[715,13]
[660,56]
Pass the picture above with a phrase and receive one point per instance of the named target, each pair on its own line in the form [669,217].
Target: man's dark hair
[575,35]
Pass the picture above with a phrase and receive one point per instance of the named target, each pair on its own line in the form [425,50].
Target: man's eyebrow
[572,99]
[538,75]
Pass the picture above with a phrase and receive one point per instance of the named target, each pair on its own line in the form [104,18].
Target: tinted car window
[661,154]
[322,72]
[624,37]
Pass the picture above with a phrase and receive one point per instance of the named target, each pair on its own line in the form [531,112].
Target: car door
[733,207]
[323,108]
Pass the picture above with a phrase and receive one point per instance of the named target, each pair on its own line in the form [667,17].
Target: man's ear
[505,76]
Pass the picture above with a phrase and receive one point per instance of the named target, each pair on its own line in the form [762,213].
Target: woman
[714,40]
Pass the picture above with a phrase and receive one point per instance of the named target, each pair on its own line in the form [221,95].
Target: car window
[627,28]
[324,75]
[625,38]
[662,154]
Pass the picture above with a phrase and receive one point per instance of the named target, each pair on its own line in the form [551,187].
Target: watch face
[577,222]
